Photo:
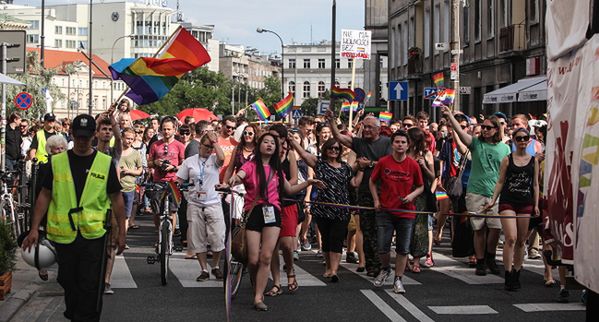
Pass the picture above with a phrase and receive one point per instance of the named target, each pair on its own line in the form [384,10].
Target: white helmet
[41,256]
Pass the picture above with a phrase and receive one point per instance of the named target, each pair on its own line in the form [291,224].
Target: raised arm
[343,139]
[309,158]
[457,129]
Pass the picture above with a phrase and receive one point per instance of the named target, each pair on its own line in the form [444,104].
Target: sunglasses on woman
[487,127]
[248,133]
[522,138]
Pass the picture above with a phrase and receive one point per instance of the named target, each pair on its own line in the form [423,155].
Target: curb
[14,303]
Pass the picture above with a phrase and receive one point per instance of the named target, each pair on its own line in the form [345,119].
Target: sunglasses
[230,127]
[464,127]
[522,138]
[248,133]
[408,125]
[208,146]
[185,133]
[335,148]
[23,126]
[487,127]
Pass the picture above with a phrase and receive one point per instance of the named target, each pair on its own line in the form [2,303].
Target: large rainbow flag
[261,109]
[150,78]
[343,93]
[444,97]
[284,106]
[438,79]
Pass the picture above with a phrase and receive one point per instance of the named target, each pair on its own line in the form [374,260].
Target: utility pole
[89,52]
[333,51]
[455,51]
[43,36]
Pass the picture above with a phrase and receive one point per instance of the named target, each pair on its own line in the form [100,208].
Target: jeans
[386,224]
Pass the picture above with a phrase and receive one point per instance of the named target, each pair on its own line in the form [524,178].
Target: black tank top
[517,188]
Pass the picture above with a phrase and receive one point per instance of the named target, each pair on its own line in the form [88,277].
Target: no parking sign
[23,100]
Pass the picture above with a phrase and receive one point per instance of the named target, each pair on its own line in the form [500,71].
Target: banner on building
[566,26]
[355,43]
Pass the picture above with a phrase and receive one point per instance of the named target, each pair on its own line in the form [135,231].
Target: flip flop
[134,227]
[273,292]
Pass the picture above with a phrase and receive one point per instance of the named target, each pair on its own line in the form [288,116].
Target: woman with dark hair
[422,237]
[264,181]
[487,152]
[332,221]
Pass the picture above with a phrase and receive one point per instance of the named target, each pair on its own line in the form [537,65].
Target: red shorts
[288,221]
[519,210]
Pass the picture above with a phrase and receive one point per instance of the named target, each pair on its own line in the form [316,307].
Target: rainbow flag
[354,106]
[441,195]
[343,93]
[345,106]
[444,97]
[438,79]
[385,116]
[261,109]
[284,106]
[150,78]
[175,192]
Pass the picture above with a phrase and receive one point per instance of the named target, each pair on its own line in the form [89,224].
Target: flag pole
[155,55]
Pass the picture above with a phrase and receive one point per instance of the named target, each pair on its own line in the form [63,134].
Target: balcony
[414,61]
[512,38]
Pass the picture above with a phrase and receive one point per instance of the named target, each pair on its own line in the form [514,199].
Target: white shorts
[206,226]
[475,203]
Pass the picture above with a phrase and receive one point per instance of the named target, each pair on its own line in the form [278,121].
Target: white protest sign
[355,43]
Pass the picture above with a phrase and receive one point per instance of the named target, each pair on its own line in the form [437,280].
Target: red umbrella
[138,115]
[197,113]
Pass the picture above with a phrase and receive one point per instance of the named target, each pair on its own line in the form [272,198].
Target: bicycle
[164,246]
[8,204]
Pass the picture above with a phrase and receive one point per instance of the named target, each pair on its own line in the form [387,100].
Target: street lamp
[262,30]
[112,62]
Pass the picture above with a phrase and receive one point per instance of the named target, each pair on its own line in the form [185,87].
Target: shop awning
[509,94]
[534,93]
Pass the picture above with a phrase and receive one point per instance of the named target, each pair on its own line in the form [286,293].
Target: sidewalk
[32,299]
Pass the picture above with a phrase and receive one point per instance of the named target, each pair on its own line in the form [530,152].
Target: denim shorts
[128,200]
[386,224]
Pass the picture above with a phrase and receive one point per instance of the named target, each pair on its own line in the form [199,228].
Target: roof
[57,59]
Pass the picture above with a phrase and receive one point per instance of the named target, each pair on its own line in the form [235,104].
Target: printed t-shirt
[175,153]
[228,146]
[203,173]
[252,186]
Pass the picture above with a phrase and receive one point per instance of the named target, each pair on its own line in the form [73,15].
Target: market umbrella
[197,113]
[138,115]
[8,80]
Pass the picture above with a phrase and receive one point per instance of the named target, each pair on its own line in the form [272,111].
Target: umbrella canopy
[138,115]
[197,113]
[7,80]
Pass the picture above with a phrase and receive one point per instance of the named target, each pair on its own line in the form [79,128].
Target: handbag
[454,184]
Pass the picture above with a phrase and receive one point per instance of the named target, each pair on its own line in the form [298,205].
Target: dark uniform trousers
[369,230]
[79,268]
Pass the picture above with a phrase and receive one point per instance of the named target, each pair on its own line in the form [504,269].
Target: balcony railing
[512,38]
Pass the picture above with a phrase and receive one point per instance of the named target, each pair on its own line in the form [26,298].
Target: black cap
[49,117]
[84,125]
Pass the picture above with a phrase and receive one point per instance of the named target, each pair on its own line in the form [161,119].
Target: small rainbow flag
[284,106]
[345,106]
[385,116]
[444,97]
[438,79]
[441,195]
[369,95]
[354,106]
[175,192]
[343,93]
[261,110]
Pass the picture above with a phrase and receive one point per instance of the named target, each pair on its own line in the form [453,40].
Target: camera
[164,165]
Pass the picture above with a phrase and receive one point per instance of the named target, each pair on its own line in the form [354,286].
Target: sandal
[274,291]
[293,286]
[416,268]
[43,274]
[550,283]
[134,227]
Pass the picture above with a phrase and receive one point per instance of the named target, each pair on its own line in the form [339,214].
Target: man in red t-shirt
[164,157]
[398,175]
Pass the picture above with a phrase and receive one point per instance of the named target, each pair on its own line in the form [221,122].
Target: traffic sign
[23,100]
[296,114]
[398,90]
[323,106]
[15,50]
[430,93]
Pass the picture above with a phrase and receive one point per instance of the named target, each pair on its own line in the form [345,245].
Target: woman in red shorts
[518,185]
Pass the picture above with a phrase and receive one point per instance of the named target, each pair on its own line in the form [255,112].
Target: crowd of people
[319,184]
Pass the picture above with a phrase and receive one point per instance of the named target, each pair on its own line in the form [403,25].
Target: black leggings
[333,233]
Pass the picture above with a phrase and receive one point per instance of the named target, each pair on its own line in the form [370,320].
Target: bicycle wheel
[164,250]
[8,214]
[236,276]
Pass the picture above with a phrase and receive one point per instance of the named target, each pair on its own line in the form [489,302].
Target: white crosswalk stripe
[121,275]
[456,269]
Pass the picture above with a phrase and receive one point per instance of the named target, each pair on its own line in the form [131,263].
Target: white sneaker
[398,286]
[382,277]
[108,290]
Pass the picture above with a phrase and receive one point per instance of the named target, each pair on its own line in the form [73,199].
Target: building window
[71,31]
[307,63]
[350,63]
[33,39]
[427,33]
[533,8]
[504,10]
[34,24]
[321,63]
[491,19]
[58,30]
[337,63]
[437,23]
[58,43]
[71,44]
[292,87]
[404,43]
[477,19]
[306,89]
[83,31]
[349,84]
[466,24]
[291,63]
[321,88]
[446,20]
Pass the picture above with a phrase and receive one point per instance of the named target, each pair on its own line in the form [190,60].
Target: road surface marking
[389,282]
[544,307]
[463,309]
[456,269]
[121,275]
[187,270]
[382,306]
[411,308]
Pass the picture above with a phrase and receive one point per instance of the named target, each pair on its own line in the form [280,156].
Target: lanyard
[202,171]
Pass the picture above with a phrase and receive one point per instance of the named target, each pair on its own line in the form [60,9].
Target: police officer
[77,194]
[38,145]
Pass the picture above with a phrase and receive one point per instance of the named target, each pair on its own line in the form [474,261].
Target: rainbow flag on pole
[438,79]
[354,106]
[385,116]
[261,109]
[150,78]
[441,195]
[175,192]
[444,97]
[343,93]
[284,106]
[345,106]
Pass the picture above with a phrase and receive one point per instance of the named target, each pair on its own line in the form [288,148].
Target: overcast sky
[235,21]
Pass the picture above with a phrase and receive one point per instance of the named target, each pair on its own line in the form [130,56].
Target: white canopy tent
[534,93]
[509,94]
